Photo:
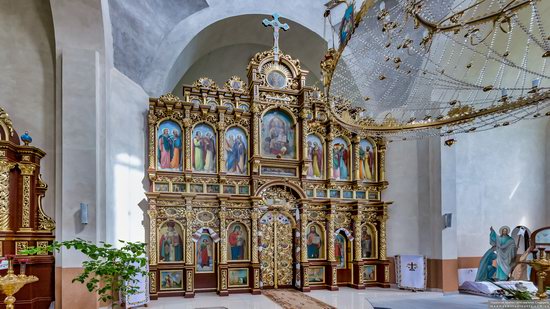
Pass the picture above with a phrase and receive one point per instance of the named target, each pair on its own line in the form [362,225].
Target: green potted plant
[109,271]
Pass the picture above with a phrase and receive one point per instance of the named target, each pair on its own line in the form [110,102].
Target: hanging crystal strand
[540,26]
[524,60]
[503,68]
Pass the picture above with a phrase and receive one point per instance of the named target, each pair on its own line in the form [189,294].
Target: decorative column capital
[26,169]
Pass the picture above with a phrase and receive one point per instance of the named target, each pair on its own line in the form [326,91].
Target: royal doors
[276,258]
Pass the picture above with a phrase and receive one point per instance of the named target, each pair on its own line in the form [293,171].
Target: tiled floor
[345,298]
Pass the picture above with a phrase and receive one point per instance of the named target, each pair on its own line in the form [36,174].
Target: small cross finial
[276,24]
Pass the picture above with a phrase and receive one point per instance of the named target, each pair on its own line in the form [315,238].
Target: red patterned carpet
[292,299]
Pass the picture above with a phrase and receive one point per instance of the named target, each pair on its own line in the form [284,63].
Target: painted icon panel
[204,156]
[169,146]
[340,159]
[368,242]
[205,254]
[238,277]
[170,242]
[238,242]
[369,273]
[340,251]
[315,153]
[171,280]
[315,242]
[278,135]
[236,151]
[316,274]
[366,160]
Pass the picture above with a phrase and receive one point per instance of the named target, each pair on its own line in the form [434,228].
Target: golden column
[303,247]
[303,234]
[330,154]
[357,234]
[152,119]
[221,142]
[255,215]
[223,236]
[26,170]
[152,212]
[255,135]
[330,234]
[5,168]
[382,168]
[355,144]
[188,138]
[383,218]
[303,118]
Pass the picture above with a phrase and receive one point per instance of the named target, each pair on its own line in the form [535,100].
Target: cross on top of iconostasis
[276,24]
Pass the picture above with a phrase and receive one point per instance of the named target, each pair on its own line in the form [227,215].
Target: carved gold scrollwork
[189,287]
[357,235]
[330,219]
[383,237]
[6,121]
[189,242]
[45,223]
[224,279]
[256,278]
[153,282]
[255,216]
[223,235]
[276,255]
[152,237]
[303,238]
[27,171]
[5,168]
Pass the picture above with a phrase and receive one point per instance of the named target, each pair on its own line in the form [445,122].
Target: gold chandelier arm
[477,20]
[448,121]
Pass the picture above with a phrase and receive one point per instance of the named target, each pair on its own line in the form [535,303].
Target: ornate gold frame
[248,244]
[247,148]
[294,127]
[373,229]
[171,289]
[238,286]
[374,272]
[325,155]
[157,127]
[183,238]
[315,282]
[217,156]
[323,255]
[214,256]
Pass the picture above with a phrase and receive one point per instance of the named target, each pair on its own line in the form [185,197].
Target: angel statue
[503,250]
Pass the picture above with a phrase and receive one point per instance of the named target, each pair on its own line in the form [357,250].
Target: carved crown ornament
[6,121]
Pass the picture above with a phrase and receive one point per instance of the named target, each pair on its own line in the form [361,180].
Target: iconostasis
[253,185]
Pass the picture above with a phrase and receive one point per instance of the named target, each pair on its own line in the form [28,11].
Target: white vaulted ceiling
[157,42]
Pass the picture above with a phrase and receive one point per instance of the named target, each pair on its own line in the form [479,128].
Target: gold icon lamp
[12,283]
[542,266]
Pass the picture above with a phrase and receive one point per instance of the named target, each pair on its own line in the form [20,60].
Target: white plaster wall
[80,153]
[413,170]
[126,160]
[500,180]
[27,59]
[178,52]
[547,157]
[402,163]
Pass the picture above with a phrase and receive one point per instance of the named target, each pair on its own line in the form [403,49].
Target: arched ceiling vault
[172,35]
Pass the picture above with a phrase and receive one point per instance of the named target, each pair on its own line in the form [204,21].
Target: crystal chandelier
[409,69]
